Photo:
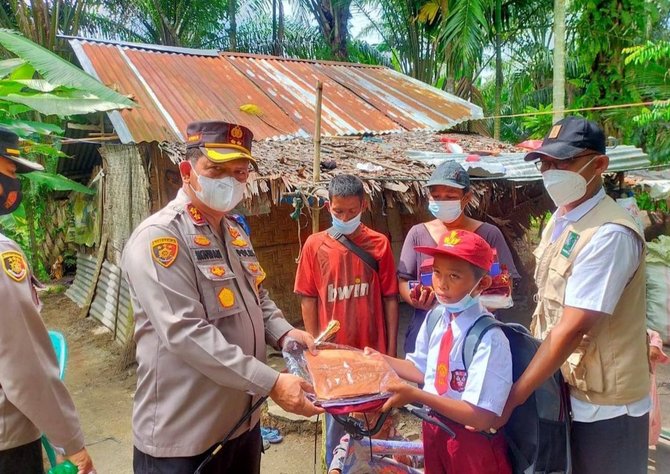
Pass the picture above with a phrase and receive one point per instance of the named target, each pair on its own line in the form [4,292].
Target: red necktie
[442,371]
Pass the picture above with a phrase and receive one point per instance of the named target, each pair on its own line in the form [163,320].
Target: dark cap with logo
[570,137]
[450,173]
[9,148]
[220,141]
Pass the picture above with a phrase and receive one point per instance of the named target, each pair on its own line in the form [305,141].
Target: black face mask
[10,194]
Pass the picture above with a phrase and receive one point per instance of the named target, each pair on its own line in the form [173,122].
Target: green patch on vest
[569,244]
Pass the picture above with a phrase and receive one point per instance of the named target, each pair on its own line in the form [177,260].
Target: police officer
[33,399]
[203,318]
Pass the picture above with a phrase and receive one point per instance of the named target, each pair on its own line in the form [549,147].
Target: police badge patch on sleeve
[14,265]
[164,250]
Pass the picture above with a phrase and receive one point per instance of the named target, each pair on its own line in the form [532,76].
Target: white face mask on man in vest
[565,187]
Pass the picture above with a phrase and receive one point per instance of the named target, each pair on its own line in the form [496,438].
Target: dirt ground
[103,395]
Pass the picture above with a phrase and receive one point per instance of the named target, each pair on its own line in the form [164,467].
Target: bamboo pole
[316,172]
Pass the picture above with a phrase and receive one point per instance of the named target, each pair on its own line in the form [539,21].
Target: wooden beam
[96,275]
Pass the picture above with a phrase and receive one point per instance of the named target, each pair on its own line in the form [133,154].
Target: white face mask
[446,211]
[565,187]
[347,227]
[221,194]
[461,305]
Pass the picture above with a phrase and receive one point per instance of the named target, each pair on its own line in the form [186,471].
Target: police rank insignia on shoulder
[164,250]
[196,215]
[14,265]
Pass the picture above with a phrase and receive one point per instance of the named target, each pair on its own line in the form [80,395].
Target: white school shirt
[489,377]
[600,273]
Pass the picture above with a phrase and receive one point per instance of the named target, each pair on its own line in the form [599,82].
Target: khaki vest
[610,366]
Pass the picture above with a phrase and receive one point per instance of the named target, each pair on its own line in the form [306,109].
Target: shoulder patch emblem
[201,240]
[164,250]
[195,214]
[14,265]
[458,380]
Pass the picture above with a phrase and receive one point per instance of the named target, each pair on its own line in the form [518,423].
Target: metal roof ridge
[298,60]
[146,46]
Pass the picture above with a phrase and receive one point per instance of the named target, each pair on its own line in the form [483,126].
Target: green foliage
[649,52]
[62,90]
[646,203]
[649,70]
[536,126]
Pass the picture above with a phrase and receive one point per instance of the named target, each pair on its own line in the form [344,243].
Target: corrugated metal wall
[111,301]
[83,280]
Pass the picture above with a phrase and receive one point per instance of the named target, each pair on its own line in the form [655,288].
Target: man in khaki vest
[203,319]
[590,306]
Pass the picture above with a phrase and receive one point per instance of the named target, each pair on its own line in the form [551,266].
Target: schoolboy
[465,398]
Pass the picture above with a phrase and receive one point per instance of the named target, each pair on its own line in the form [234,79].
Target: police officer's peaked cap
[9,148]
[220,141]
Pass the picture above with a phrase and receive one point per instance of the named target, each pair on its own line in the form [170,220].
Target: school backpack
[538,432]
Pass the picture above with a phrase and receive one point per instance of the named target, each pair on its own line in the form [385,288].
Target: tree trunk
[232,31]
[499,74]
[559,60]
[281,28]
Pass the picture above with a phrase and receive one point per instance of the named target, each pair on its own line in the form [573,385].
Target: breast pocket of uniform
[220,294]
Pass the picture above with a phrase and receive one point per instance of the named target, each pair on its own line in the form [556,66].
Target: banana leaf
[57,71]
[56,182]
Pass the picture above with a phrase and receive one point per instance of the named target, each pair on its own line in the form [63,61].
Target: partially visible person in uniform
[203,319]
[591,306]
[335,283]
[33,399]
[449,193]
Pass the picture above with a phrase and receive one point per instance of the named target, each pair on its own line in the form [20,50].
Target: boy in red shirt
[336,283]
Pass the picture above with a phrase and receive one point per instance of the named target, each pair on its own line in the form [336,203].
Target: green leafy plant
[36,88]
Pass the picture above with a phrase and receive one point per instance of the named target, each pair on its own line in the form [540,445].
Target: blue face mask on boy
[464,303]
[347,227]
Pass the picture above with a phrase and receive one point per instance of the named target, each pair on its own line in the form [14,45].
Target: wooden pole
[316,173]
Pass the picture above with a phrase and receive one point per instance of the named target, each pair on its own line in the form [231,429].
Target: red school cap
[462,244]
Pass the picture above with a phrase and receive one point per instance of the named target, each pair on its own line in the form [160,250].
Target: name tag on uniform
[569,244]
[207,254]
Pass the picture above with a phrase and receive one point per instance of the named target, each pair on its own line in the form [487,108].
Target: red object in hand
[472,158]
[444,139]
[416,292]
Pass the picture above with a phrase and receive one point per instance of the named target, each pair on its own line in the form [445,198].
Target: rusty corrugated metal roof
[174,86]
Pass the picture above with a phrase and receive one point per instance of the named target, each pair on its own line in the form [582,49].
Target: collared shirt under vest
[608,373]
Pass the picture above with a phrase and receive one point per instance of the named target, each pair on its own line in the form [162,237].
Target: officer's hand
[82,460]
[289,393]
[302,337]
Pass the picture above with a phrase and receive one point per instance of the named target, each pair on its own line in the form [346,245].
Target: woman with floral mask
[449,193]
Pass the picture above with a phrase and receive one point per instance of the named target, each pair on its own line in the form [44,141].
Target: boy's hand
[402,395]
[423,297]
